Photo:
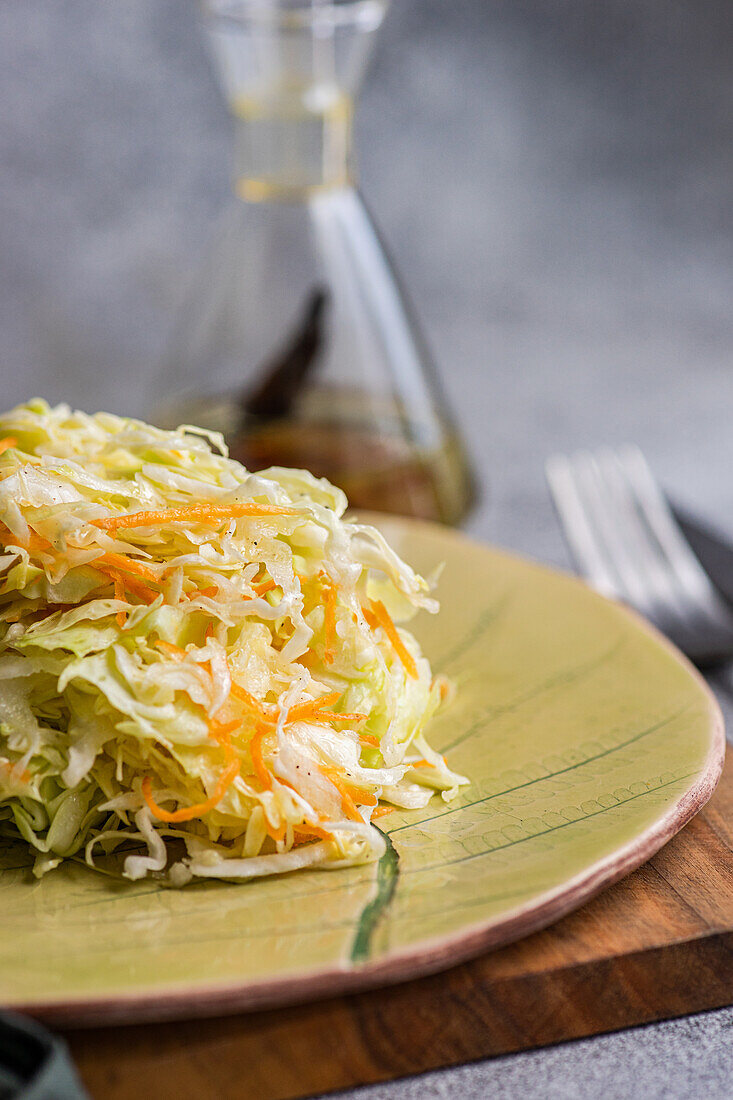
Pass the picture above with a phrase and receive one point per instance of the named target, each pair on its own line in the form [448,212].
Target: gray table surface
[554,179]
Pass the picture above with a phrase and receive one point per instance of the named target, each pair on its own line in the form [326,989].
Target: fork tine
[606,509]
[664,600]
[641,559]
[646,556]
[626,543]
[590,556]
[657,514]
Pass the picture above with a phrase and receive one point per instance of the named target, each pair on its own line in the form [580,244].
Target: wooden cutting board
[656,945]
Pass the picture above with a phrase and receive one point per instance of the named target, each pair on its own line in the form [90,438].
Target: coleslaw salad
[200,667]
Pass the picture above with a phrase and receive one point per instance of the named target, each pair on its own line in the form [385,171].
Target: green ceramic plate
[588,740]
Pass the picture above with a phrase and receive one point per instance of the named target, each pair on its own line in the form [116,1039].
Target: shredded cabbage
[198,665]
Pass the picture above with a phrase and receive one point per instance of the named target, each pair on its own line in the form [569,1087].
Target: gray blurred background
[553,177]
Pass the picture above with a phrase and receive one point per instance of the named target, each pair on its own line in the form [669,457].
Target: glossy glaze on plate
[588,741]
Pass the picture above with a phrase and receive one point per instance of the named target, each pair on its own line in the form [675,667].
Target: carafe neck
[291,70]
[289,145]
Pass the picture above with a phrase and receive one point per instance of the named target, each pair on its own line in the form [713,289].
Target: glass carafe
[296,341]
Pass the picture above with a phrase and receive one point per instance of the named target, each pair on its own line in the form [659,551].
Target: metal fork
[628,545]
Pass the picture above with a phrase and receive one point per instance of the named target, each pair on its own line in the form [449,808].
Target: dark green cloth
[35,1065]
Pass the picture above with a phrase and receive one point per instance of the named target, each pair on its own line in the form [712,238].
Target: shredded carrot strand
[36,542]
[193,513]
[311,711]
[306,832]
[360,795]
[127,565]
[139,589]
[12,770]
[119,588]
[312,707]
[173,651]
[129,584]
[254,705]
[220,731]
[350,794]
[276,832]
[255,749]
[347,803]
[7,443]
[368,739]
[265,586]
[331,716]
[189,812]
[212,590]
[421,764]
[380,811]
[329,618]
[327,700]
[377,615]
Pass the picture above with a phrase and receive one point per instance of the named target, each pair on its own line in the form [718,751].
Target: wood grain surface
[658,944]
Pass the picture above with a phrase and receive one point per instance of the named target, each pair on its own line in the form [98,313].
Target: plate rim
[433,955]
